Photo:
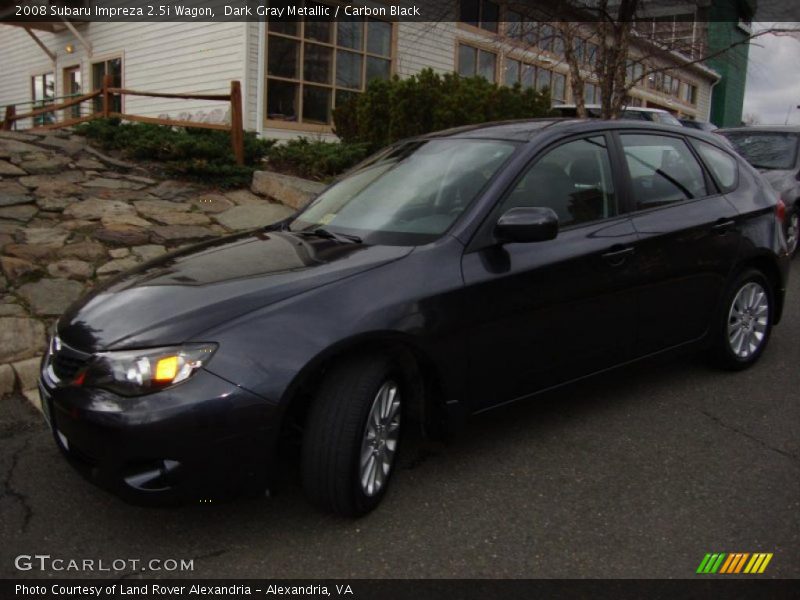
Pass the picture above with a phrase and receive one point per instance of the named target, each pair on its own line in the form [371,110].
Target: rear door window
[662,170]
[721,164]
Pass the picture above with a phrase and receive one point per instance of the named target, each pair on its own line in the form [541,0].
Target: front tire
[352,435]
[744,323]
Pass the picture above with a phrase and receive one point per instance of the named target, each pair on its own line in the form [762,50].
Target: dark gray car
[775,151]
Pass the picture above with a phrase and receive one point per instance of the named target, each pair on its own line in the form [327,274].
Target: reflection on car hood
[168,300]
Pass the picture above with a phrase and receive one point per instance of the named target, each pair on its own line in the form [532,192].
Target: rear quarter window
[722,165]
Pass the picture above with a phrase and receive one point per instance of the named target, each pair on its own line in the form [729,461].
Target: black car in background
[446,275]
[775,151]
[701,125]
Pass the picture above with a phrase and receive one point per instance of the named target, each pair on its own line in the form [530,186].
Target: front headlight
[137,372]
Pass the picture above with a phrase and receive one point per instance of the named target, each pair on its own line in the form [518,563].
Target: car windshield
[766,150]
[408,194]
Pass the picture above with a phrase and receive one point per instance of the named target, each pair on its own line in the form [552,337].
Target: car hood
[170,299]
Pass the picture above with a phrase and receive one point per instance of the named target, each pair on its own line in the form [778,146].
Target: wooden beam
[66,123]
[220,97]
[85,43]
[108,80]
[41,45]
[54,107]
[237,129]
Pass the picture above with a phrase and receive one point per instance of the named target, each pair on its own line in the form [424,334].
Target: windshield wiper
[329,235]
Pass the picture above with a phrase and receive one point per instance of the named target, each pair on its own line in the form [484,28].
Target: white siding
[251,110]
[156,57]
[423,45]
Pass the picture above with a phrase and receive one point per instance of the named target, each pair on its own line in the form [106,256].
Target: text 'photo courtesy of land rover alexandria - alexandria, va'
[444,276]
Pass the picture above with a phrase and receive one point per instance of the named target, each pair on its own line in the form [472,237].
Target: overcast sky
[773,79]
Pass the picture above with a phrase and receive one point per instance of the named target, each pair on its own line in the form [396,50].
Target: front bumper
[205,438]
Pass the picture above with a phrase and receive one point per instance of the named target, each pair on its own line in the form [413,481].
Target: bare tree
[632,45]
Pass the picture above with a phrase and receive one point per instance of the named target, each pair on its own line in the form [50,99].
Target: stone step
[286,189]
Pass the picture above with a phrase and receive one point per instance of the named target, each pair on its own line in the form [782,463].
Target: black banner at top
[737,11]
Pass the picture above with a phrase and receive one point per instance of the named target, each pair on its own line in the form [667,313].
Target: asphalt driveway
[639,474]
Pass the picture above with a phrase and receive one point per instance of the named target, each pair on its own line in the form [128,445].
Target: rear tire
[744,322]
[352,436]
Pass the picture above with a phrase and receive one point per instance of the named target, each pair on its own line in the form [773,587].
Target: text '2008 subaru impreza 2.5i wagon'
[444,276]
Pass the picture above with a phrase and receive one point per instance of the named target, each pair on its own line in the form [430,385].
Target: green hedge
[201,154]
[315,159]
[399,108]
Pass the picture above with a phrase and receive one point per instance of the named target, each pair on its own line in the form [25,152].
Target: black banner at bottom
[398,589]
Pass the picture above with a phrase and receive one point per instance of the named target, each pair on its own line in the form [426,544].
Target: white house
[293,74]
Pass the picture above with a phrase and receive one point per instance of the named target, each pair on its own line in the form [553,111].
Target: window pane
[283,57]
[546,37]
[379,37]
[470,11]
[543,79]
[528,76]
[115,68]
[530,32]
[348,69]
[662,170]
[558,87]
[466,61]
[318,28]
[350,34]
[344,96]
[378,68]
[98,70]
[490,15]
[280,25]
[722,165]
[282,100]
[317,63]
[487,62]
[511,72]
[513,25]
[574,180]
[316,104]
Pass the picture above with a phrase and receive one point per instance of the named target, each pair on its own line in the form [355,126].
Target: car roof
[763,129]
[529,129]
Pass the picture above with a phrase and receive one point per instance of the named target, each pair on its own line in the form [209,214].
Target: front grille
[65,361]
[67,367]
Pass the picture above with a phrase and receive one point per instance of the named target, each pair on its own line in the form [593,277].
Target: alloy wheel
[379,443]
[748,319]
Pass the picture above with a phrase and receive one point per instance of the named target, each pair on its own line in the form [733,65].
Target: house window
[314,66]
[591,93]
[480,13]
[476,62]
[515,71]
[558,88]
[689,93]
[113,67]
[43,91]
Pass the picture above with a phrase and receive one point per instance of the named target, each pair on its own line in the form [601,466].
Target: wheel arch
[424,377]
[767,265]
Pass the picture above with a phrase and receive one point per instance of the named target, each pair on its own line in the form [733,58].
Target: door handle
[723,226]
[615,257]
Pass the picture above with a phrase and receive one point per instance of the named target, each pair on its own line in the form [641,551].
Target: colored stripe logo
[734,563]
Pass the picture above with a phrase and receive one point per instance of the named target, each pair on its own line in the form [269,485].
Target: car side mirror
[527,224]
